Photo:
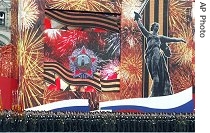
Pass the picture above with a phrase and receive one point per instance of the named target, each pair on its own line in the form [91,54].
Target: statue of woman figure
[156,49]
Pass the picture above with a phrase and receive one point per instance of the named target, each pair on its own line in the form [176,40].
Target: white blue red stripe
[180,102]
[64,105]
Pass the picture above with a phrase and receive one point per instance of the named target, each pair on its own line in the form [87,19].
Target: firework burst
[183,54]
[128,8]
[53,33]
[116,5]
[127,91]
[177,14]
[31,69]
[29,13]
[110,69]
[131,34]
[53,96]
[181,66]
[131,66]
[62,42]
[181,77]
[84,5]
[109,96]
[113,41]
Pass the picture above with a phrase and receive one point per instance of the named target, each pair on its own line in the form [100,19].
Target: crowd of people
[49,121]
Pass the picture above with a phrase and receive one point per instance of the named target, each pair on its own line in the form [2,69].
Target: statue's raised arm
[140,25]
[138,18]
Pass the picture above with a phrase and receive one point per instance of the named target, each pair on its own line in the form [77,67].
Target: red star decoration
[89,71]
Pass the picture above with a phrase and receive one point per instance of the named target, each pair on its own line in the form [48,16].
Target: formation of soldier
[49,121]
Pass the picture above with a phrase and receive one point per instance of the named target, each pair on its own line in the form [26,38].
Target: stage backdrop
[90,55]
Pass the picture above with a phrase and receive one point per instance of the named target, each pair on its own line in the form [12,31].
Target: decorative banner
[54,68]
[81,53]
[85,19]
[68,51]
[107,6]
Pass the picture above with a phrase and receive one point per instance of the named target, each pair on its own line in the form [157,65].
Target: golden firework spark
[183,53]
[84,5]
[109,96]
[28,13]
[128,8]
[116,6]
[31,67]
[181,77]
[53,96]
[177,16]
[127,92]
[131,66]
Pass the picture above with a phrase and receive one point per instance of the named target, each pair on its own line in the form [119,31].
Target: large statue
[154,58]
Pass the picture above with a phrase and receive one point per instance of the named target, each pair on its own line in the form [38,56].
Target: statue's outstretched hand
[137,16]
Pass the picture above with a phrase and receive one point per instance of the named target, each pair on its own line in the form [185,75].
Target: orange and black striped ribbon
[102,6]
[155,11]
[86,19]
[53,68]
